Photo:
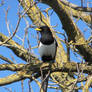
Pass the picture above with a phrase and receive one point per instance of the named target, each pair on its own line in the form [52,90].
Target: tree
[65,73]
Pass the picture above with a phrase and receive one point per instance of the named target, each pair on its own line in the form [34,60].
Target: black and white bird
[47,49]
[47,45]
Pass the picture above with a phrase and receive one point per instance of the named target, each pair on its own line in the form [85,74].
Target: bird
[47,48]
[48,45]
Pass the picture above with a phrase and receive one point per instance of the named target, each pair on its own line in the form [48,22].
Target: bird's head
[46,34]
[43,29]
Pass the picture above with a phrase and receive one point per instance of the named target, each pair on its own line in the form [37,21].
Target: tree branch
[73,6]
[28,70]
[76,13]
[6,59]
[18,22]
[18,49]
[12,78]
[12,67]
[88,84]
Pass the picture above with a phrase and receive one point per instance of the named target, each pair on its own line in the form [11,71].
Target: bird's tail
[45,78]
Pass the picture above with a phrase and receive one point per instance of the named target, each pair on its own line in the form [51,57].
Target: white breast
[47,50]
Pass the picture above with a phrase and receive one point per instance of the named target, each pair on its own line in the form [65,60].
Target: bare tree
[64,70]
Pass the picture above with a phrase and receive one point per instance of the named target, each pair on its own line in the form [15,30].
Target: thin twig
[7,22]
[18,22]
[8,89]
[22,85]
[6,59]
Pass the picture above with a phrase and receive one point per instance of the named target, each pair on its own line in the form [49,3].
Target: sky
[12,17]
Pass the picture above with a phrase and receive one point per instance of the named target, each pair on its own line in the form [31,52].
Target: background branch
[17,49]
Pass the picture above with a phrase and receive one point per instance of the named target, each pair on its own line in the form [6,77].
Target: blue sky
[12,18]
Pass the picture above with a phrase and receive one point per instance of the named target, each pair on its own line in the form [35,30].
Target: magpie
[48,45]
[47,48]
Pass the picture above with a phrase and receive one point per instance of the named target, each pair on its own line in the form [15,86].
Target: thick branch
[18,49]
[78,12]
[33,12]
[12,67]
[29,70]
[85,9]
[67,67]
[12,78]
[88,84]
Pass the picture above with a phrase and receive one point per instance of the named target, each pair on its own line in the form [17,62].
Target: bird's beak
[37,29]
